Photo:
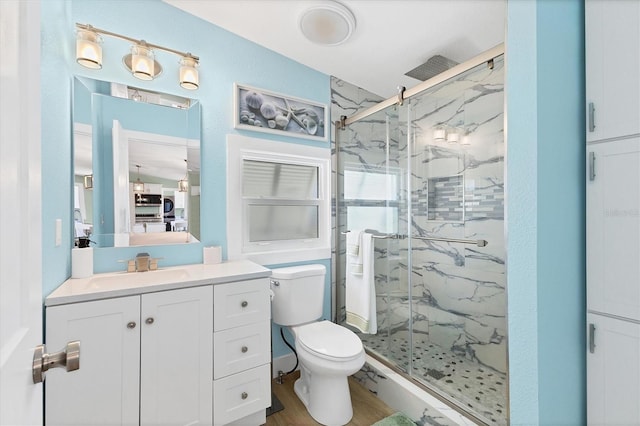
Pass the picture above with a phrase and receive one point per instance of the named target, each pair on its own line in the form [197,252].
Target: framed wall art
[265,111]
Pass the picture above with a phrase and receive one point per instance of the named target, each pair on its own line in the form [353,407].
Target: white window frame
[240,148]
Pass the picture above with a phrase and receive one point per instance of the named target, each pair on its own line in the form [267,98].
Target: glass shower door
[372,198]
[457,283]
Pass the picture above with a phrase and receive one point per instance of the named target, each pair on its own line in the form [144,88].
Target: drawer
[241,348]
[242,394]
[241,303]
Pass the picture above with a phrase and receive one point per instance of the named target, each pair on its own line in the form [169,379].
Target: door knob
[244,304]
[42,362]
[149,320]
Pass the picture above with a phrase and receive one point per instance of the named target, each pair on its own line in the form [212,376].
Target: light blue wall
[545,208]
[225,59]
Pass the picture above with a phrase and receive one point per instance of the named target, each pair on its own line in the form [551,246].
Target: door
[177,357]
[105,388]
[613,372]
[613,228]
[20,188]
[612,56]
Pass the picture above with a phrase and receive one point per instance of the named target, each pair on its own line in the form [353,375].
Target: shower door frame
[485,57]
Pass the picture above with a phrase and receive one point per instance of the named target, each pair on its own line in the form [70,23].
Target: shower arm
[380,236]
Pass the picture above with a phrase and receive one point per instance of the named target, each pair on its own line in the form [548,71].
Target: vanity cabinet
[143,360]
[183,345]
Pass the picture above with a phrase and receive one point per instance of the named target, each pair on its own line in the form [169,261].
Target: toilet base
[327,398]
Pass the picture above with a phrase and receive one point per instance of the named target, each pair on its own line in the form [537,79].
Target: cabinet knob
[149,320]
[131,324]
[244,349]
[244,304]
[245,395]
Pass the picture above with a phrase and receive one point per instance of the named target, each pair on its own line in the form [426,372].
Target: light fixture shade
[138,186]
[183,185]
[453,136]
[439,134]
[328,23]
[189,78]
[88,49]
[142,62]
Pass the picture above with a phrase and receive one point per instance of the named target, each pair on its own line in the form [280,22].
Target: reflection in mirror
[136,166]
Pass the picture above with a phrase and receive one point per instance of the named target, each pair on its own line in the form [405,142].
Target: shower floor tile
[477,388]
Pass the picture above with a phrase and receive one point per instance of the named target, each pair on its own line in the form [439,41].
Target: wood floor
[367,409]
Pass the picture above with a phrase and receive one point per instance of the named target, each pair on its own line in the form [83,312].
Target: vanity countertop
[118,284]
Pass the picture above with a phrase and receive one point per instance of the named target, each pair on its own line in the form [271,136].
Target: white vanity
[181,345]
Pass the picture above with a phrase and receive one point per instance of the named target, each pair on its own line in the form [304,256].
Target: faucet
[142,262]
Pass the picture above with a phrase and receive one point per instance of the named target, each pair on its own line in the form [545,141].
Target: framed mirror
[136,166]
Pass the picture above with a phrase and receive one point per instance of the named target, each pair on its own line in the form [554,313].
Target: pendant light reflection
[88,49]
[138,185]
[183,184]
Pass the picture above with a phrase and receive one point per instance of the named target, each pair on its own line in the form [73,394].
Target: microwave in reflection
[148,200]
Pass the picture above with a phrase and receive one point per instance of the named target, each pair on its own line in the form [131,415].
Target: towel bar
[380,236]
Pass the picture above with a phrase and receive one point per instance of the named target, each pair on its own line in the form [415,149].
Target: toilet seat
[328,340]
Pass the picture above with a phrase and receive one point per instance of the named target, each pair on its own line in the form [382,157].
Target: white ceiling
[391,37]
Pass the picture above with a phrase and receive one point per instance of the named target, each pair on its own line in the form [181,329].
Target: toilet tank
[298,294]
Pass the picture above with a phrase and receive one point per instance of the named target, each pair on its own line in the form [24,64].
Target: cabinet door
[177,357]
[105,388]
[613,372]
[612,33]
[613,229]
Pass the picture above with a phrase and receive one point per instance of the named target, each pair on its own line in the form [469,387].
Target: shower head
[434,66]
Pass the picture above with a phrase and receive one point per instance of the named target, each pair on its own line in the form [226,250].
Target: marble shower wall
[457,191]
[457,298]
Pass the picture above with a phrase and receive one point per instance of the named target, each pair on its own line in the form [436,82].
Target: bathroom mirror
[136,165]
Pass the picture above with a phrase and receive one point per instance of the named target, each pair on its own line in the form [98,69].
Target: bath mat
[396,419]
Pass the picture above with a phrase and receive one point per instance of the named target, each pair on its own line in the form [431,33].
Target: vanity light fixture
[183,184]
[453,136]
[439,134]
[138,185]
[140,62]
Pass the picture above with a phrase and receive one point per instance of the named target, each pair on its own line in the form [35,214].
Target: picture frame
[261,110]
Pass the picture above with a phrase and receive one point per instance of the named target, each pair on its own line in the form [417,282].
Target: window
[278,201]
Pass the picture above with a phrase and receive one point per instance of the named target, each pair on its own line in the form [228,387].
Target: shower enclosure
[426,177]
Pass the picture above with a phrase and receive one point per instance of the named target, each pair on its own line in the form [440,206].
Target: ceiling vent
[434,66]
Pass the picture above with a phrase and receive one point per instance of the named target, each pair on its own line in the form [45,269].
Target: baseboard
[283,363]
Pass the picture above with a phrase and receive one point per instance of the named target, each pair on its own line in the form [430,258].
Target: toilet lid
[329,339]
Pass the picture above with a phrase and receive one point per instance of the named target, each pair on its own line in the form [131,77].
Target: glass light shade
[138,186]
[439,134]
[183,185]
[188,73]
[88,49]
[142,62]
[453,136]
[466,139]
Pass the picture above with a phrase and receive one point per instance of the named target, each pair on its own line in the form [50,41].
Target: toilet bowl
[328,353]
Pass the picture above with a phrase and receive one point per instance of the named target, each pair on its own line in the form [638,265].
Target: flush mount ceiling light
[328,23]
[140,62]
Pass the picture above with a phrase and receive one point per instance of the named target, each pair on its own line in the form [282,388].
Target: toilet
[328,353]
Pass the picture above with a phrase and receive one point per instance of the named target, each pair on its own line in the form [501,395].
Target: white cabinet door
[177,357]
[612,32]
[105,388]
[613,229]
[613,372]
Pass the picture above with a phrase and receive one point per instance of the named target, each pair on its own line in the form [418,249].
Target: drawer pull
[244,349]
[131,324]
[244,304]
[245,395]
[149,320]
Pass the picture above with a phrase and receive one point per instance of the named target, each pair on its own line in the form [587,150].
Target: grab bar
[381,236]
[479,243]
